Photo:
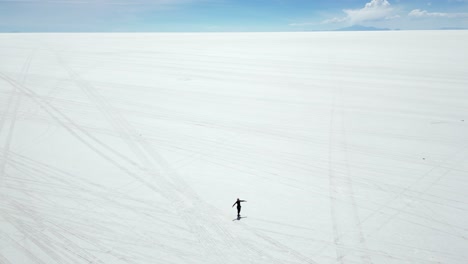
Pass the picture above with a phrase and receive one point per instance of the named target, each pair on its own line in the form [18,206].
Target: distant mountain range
[453,28]
[362,28]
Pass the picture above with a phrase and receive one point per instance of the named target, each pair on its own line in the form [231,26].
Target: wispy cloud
[418,13]
[302,24]
[335,20]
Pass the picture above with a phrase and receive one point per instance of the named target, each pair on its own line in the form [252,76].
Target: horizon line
[295,31]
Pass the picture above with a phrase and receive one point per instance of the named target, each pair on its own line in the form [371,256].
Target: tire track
[27,252]
[5,113]
[179,199]
[332,187]
[82,135]
[4,260]
[407,192]
[127,134]
[53,112]
[343,209]
[357,224]
[181,195]
[403,192]
[67,228]
[15,99]
[45,245]
[23,164]
[278,245]
[44,241]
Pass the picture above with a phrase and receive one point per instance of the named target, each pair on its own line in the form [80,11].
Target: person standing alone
[238,202]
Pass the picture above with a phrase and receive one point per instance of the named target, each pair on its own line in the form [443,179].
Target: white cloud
[374,10]
[424,13]
[334,20]
[418,13]
[377,4]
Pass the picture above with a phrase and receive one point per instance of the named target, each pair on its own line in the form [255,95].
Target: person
[238,202]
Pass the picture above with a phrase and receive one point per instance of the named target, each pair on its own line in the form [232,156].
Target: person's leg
[238,210]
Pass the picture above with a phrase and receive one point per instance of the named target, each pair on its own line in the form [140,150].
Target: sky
[227,15]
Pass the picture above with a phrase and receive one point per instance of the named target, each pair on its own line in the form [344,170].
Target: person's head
[238,199]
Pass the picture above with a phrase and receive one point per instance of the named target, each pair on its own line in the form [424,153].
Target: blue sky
[227,15]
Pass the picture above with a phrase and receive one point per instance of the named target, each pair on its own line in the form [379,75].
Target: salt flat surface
[350,147]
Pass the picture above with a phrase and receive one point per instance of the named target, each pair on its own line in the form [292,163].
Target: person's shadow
[239,218]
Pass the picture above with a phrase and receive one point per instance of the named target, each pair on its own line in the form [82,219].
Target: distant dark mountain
[361,28]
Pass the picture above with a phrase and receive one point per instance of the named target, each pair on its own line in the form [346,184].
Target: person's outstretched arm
[234,204]
[242,201]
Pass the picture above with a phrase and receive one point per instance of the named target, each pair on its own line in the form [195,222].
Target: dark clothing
[238,202]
